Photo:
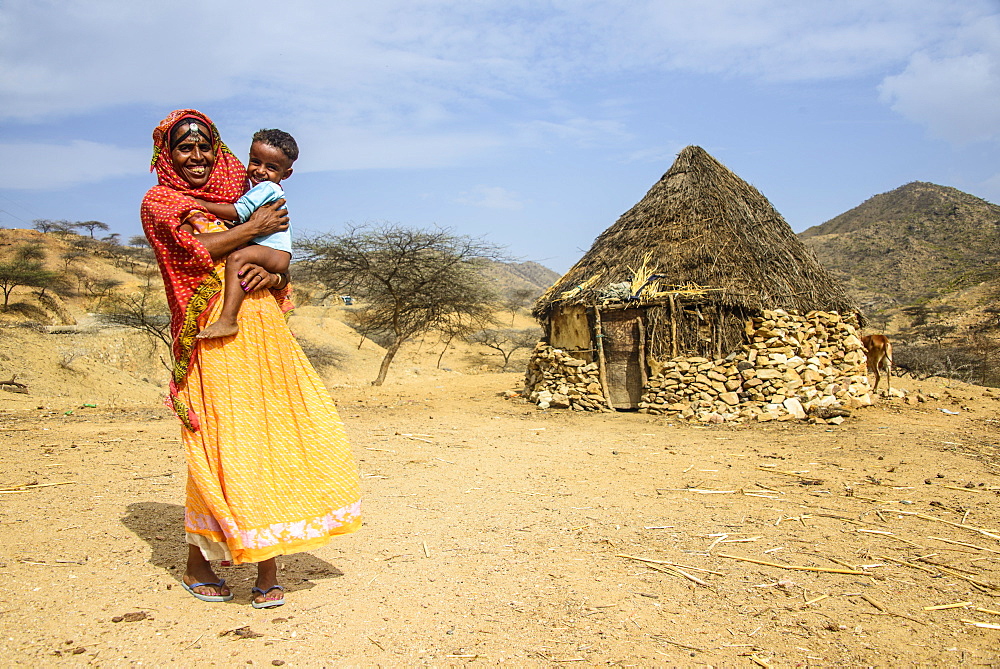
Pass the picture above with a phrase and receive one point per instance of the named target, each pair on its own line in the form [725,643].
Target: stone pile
[794,367]
[558,380]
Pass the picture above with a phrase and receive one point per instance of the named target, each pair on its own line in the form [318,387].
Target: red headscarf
[189,276]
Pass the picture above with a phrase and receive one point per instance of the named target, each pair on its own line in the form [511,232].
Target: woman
[269,466]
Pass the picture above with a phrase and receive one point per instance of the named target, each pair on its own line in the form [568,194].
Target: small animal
[878,350]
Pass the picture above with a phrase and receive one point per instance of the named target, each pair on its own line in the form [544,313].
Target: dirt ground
[497,533]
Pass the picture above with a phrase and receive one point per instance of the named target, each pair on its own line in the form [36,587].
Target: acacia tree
[90,226]
[461,325]
[408,280]
[507,340]
[48,225]
[516,299]
[25,269]
[145,310]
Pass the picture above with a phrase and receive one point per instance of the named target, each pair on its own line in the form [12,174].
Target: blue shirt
[263,193]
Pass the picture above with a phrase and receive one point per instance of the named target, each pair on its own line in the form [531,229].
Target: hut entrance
[624,343]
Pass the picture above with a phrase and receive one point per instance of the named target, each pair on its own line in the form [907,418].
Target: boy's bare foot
[219,329]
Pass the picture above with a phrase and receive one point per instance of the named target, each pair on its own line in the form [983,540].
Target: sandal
[267,603]
[208,598]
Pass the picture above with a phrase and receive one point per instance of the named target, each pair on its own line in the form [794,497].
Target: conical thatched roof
[702,226]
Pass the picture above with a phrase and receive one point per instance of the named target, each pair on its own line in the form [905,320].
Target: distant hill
[916,243]
[529,276]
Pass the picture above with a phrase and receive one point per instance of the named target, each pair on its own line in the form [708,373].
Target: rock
[794,408]
[732,399]
[559,401]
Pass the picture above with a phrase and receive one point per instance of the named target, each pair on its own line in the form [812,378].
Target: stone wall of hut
[791,367]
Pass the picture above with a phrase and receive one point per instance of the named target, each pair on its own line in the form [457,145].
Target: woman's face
[193,156]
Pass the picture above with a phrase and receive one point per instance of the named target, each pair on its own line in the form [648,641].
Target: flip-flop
[208,598]
[266,604]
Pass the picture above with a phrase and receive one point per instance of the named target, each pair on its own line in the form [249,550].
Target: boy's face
[267,163]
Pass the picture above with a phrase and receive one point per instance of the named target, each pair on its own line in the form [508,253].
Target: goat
[878,351]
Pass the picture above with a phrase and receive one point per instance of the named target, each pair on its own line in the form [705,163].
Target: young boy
[272,153]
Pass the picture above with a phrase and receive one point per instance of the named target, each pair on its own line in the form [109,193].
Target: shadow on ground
[161,526]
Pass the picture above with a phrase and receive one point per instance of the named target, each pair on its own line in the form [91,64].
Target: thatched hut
[682,275]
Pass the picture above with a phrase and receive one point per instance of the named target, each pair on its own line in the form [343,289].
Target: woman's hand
[254,277]
[268,219]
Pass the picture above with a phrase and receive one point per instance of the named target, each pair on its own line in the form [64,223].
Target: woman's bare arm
[266,220]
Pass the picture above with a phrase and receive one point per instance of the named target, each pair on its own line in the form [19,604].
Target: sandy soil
[499,533]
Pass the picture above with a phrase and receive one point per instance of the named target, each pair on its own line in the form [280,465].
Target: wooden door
[624,342]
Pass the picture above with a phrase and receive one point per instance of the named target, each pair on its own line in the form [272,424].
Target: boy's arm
[263,193]
[221,210]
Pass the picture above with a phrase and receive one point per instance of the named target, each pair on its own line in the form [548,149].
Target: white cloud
[393,83]
[491,197]
[576,131]
[955,91]
[52,166]
[426,61]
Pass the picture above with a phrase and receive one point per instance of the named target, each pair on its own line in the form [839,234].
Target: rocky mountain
[916,243]
[510,277]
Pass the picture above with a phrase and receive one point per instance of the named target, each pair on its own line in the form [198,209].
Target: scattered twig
[743,540]
[827,557]
[671,564]
[908,564]
[193,643]
[843,518]
[18,387]
[992,534]
[678,572]
[699,490]
[27,487]
[962,543]
[884,609]
[54,563]
[795,567]
[942,607]
[976,623]
[662,639]
[984,585]
[417,437]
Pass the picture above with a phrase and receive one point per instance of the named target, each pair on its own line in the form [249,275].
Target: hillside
[913,244]
[530,277]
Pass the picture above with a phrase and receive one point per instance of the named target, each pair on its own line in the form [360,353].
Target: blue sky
[535,124]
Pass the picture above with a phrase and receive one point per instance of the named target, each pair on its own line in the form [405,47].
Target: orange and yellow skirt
[270,470]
